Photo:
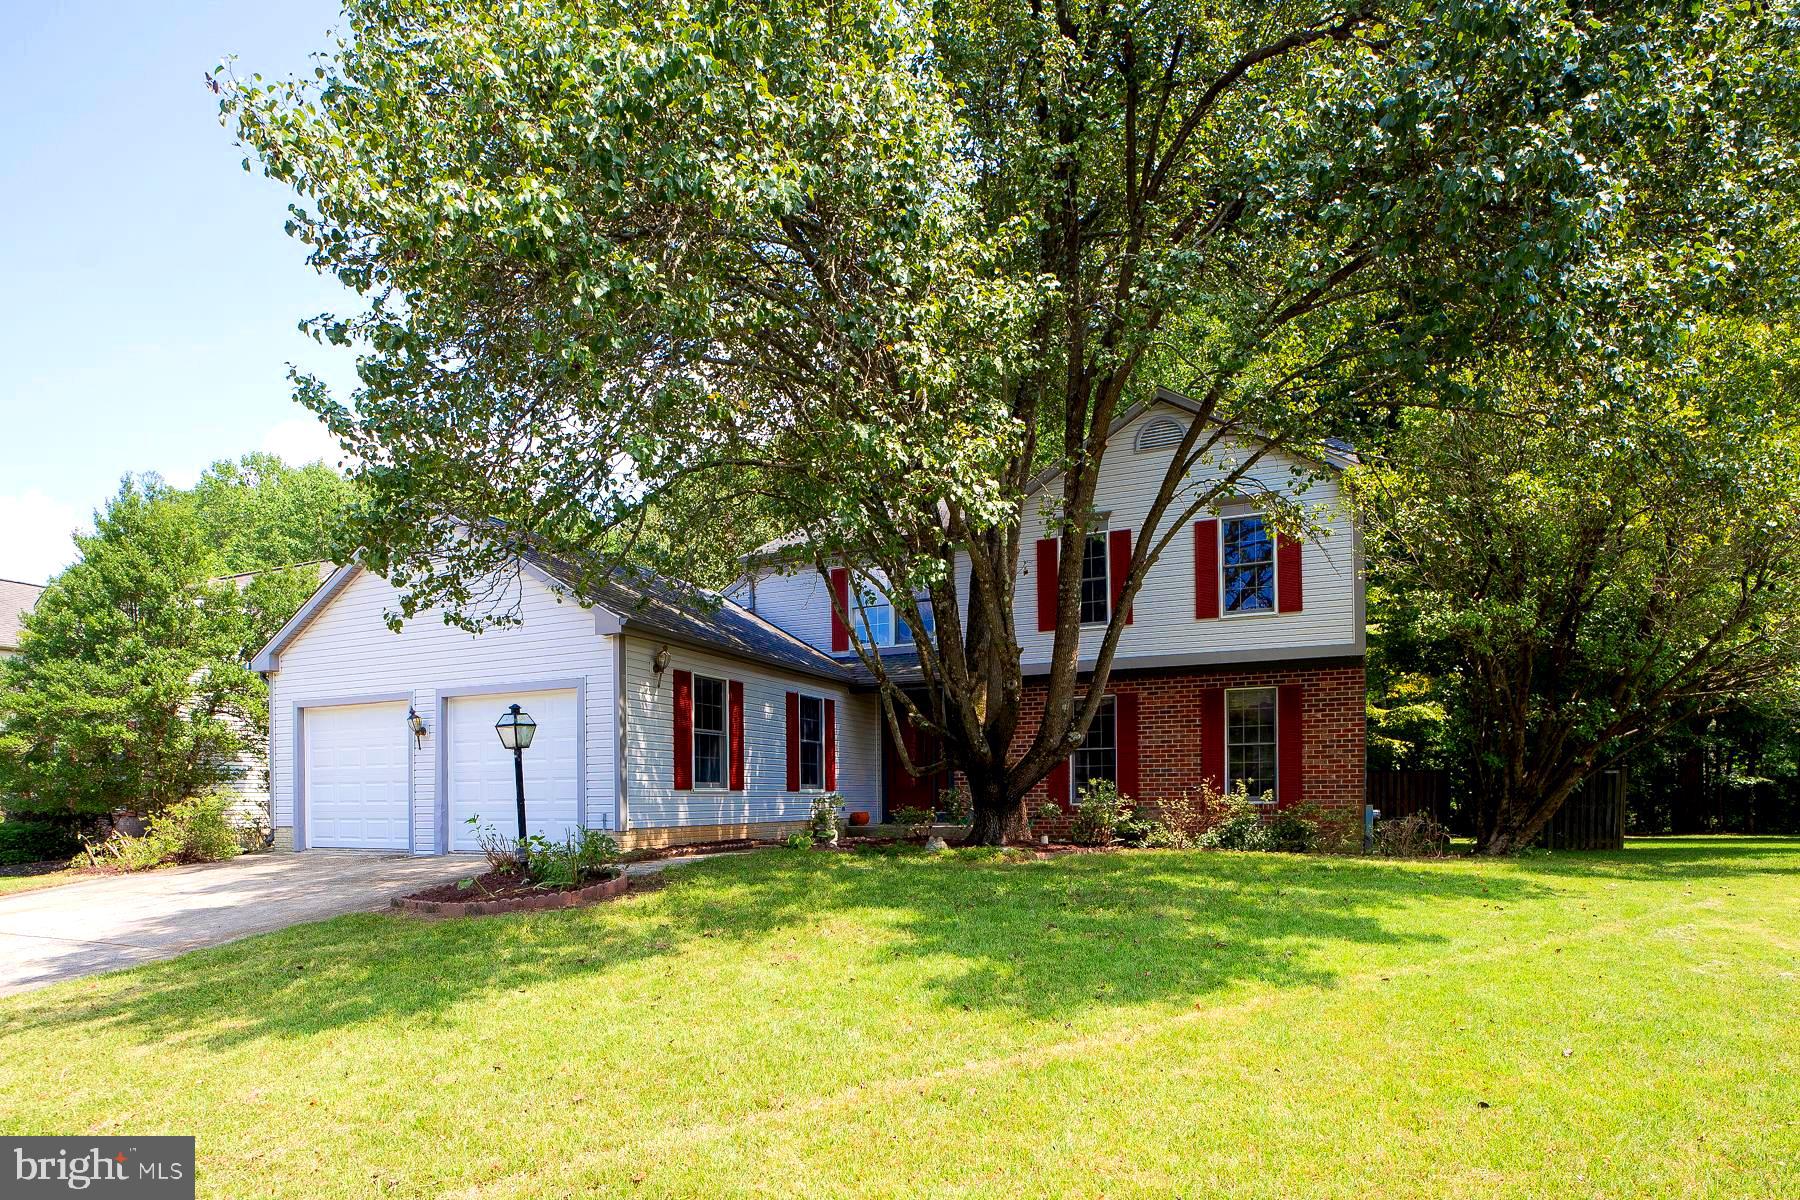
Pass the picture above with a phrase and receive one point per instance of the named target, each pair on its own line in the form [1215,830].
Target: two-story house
[670,720]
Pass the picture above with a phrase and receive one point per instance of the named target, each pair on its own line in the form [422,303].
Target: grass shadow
[1047,940]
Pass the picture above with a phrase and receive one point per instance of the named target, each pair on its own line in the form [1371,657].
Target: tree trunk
[1521,814]
[997,820]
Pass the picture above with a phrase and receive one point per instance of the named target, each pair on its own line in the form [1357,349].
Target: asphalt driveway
[103,924]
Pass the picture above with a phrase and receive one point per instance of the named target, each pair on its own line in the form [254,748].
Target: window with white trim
[1098,755]
[1250,740]
[1248,560]
[812,743]
[885,625]
[1096,587]
[712,735]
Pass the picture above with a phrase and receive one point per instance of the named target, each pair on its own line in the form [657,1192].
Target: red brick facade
[1332,706]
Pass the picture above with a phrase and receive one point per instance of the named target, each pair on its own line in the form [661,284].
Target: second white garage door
[480,775]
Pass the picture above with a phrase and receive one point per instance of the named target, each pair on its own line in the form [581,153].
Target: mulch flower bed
[504,892]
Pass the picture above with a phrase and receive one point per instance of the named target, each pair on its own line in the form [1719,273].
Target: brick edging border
[606,889]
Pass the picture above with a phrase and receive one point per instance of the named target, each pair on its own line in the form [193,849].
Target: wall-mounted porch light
[416,723]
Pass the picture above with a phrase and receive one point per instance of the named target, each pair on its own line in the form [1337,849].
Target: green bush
[1098,812]
[1247,824]
[29,841]
[798,841]
[583,855]
[957,804]
[916,820]
[198,830]
[195,830]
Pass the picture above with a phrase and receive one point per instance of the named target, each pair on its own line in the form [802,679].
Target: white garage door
[356,776]
[480,782]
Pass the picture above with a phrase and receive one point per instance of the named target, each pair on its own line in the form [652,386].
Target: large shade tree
[865,269]
[1586,569]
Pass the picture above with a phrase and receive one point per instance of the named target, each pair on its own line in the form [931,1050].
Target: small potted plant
[1047,812]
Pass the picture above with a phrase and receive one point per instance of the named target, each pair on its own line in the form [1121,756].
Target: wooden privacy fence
[1592,819]
[1400,794]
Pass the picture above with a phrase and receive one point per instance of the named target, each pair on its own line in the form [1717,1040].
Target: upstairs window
[1098,756]
[812,743]
[884,625]
[1249,565]
[711,738]
[1250,740]
[1096,590]
[903,631]
[878,624]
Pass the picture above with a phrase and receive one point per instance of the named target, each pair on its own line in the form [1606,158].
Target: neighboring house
[669,718]
[16,599]
[249,779]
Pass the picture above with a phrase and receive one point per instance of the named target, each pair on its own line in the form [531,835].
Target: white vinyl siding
[1164,625]
[651,797]
[1163,621]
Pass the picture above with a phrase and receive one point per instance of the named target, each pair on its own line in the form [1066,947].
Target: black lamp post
[516,728]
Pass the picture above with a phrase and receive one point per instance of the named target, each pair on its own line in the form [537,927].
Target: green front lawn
[1141,1024]
[26,883]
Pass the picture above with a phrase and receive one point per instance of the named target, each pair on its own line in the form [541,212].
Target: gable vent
[1160,433]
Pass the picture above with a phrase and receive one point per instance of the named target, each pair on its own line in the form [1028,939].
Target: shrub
[957,804]
[823,822]
[502,853]
[916,820]
[1247,824]
[798,841]
[1420,835]
[584,854]
[198,830]
[1098,812]
[195,830]
[1047,812]
[28,841]
[1140,827]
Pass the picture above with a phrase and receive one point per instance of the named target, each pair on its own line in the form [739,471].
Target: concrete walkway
[102,924]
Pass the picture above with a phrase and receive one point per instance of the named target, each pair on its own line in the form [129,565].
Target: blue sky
[148,296]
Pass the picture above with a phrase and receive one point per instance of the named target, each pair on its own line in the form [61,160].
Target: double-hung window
[1249,564]
[903,631]
[712,737]
[1250,740]
[885,625]
[812,743]
[1098,756]
[1096,588]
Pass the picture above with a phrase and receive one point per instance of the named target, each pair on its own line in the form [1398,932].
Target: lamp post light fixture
[516,728]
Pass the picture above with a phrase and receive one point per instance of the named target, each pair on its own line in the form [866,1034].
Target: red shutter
[1057,783]
[793,741]
[1287,573]
[840,608]
[1290,745]
[737,735]
[1125,733]
[684,731]
[1212,737]
[1046,584]
[830,745]
[1118,555]
[1206,570]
